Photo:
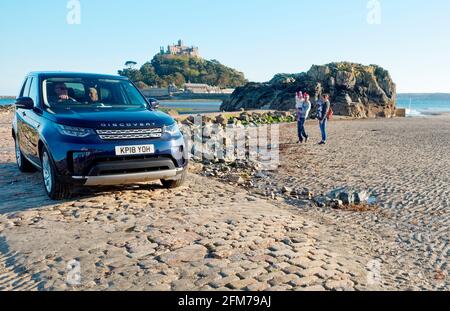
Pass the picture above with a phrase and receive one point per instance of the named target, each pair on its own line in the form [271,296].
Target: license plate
[135,150]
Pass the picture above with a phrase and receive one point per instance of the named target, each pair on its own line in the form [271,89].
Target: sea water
[192,106]
[424,105]
[415,105]
[6,101]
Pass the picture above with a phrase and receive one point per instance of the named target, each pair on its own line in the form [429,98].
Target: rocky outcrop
[356,90]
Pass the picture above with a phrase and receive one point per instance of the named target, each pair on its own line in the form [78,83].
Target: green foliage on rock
[165,70]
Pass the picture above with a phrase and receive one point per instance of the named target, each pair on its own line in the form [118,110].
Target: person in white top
[303,106]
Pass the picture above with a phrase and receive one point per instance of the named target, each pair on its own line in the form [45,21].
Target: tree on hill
[134,75]
[149,76]
[130,64]
[141,85]
[164,70]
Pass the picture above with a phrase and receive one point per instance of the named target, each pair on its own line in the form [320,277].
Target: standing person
[323,110]
[303,106]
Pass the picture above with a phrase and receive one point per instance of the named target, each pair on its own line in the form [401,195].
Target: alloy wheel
[18,154]
[47,171]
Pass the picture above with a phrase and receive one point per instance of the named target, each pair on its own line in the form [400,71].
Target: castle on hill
[180,50]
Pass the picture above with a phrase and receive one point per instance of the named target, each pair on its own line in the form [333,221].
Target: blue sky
[259,37]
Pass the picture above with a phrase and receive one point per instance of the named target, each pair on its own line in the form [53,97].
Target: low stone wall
[246,118]
[240,138]
[6,108]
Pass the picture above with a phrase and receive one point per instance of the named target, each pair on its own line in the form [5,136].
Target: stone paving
[205,236]
[211,235]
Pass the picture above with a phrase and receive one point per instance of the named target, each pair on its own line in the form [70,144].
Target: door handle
[24,113]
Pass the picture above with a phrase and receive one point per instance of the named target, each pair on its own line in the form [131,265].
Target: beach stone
[361,197]
[349,196]
[220,119]
[346,197]
[337,204]
[140,249]
[286,190]
[187,254]
[334,194]
[175,241]
[260,175]
[320,201]
[237,179]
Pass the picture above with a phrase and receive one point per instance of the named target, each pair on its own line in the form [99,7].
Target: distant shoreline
[427,96]
[189,100]
[403,94]
[439,95]
[416,104]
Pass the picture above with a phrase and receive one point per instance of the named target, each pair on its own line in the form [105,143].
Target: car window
[76,91]
[132,95]
[34,91]
[105,94]
[26,90]
[22,89]
[91,93]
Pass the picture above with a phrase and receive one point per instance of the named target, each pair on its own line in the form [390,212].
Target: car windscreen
[91,93]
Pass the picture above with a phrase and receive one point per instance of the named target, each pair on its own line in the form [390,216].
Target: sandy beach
[210,235]
[405,163]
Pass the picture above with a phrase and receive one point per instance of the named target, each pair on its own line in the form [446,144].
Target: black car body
[89,129]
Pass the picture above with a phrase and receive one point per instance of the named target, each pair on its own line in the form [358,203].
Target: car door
[30,124]
[22,127]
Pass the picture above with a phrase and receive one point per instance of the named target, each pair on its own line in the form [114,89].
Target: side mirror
[24,103]
[154,104]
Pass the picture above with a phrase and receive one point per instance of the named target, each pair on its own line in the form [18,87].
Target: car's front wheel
[55,189]
[23,164]
[170,184]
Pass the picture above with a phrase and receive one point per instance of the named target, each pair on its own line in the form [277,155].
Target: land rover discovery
[90,130]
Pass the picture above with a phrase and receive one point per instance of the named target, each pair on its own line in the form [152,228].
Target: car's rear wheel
[23,164]
[170,184]
[55,189]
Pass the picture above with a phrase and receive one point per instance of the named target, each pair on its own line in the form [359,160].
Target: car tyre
[23,164]
[54,188]
[171,184]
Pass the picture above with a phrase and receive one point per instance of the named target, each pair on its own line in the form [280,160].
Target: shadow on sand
[13,262]
[25,191]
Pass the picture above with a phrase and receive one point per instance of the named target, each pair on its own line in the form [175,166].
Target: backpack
[330,113]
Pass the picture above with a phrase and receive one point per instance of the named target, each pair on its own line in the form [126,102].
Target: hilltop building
[181,50]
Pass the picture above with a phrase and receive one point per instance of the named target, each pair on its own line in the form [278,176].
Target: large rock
[350,196]
[356,90]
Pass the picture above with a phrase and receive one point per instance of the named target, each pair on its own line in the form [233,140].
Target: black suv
[90,130]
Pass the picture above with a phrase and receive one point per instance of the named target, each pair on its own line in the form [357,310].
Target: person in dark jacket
[323,108]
